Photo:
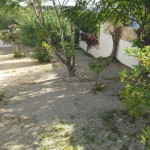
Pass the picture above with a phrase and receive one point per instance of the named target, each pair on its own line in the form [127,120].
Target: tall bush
[6,20]
[136,93]
[43,54]
[12,35]
[32,35]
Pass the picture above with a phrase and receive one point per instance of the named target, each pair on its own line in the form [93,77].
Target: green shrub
[43,54]
[32,35]
[83,18]
[138,43]
[6,19]
[97,66]
[12,36]
[136,93]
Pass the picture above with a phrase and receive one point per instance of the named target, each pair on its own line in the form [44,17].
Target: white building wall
[105,49]
[129,61]
[106,44]
[93,51]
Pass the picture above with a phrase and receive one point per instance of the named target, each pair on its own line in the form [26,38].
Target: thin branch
[60,26]
[43,27]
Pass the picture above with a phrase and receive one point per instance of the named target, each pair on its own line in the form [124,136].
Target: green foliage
[136,94]
[6,19]
[128,12]
[144,40]
[145,137]
[43,54]
[9,5]
[84,19]
[138,43]
[2,95]
[10,13]
[97,66]
[12,36]
[32,35]
[145,36]
[44,148]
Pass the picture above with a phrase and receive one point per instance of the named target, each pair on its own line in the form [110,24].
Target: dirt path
[44,109]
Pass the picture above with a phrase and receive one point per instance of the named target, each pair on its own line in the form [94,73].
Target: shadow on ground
[47,109]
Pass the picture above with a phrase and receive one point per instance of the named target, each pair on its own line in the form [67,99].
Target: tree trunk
[96,82]
[17,52]
[116,34]
[69,61]
[139,32]
[114,50]
[71,66]
[71,71]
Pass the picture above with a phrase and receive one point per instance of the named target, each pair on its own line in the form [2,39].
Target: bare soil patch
[45,109]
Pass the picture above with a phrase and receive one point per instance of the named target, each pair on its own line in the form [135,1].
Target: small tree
[32,35]
[68,57]
[97,66]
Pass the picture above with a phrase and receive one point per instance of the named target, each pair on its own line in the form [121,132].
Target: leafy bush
[97,66]
[84,19]
[32,35]
[12,36]
[138,43]
[43,53]
[6,19]
[136,94]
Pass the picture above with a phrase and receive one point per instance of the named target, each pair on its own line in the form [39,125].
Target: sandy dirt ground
[44,109]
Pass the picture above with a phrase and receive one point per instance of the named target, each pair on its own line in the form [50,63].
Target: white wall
[93,51]
[105,49]
[4,45]
[129,61]
[106,44]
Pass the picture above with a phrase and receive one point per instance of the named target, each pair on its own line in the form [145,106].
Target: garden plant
[97,66]
[136,93]
[12,35]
